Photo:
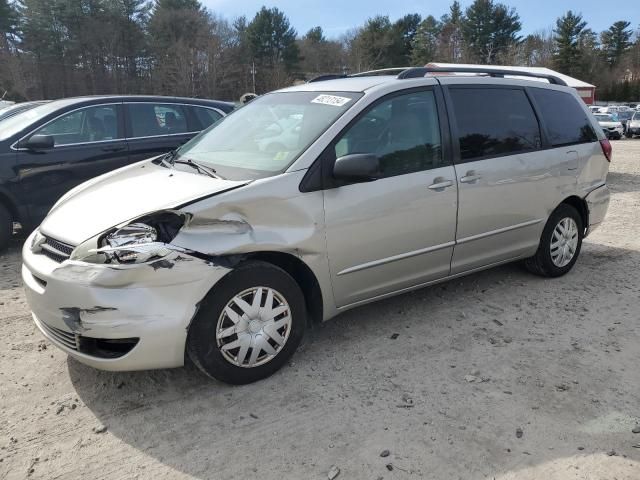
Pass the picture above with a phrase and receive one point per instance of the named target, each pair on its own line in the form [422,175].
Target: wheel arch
[581,206]
[302,274]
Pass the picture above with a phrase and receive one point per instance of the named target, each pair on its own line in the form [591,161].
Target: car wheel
[6,227]
[560,243]
[248,325]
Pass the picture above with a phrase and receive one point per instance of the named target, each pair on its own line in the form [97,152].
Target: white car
[610,125]
[634,125]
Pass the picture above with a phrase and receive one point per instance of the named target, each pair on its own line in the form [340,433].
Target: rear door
[155,128]
[503,174]
[89,141]
[398,231]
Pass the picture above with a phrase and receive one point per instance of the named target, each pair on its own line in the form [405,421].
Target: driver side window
[91,124]
[402,131]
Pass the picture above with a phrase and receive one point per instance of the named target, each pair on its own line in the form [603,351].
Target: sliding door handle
[440,185]
[470,177]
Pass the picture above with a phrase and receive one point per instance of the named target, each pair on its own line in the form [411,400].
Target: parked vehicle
[610,125]
[17,108]
[594,108]
[225,249]
[51,148]
[634,125]
[623,117]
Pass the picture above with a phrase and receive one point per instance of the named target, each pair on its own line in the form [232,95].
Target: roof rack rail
[381,71]
[369,73]
[328,76]
[418,72]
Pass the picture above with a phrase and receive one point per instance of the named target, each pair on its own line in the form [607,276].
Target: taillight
[606,149]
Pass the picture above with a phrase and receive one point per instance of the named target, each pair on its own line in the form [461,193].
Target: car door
[154,128]
[398,231]
[503,174]
[88,142]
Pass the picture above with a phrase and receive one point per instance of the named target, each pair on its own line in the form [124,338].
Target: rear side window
[493,122]
[566,121]
[206,116]
[149,119]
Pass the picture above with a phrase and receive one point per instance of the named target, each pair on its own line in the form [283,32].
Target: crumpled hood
[124,194]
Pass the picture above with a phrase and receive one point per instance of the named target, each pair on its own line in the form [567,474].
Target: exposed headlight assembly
[144,239]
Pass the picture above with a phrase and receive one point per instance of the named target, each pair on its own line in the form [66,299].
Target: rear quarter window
[566,121]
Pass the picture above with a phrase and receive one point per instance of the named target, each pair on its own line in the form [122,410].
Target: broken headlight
[133,243]
[146,238]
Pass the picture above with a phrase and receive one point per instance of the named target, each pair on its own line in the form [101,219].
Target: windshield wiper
[167,159]
[198,166]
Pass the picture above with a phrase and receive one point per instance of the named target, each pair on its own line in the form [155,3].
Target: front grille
[56,250]
[67,339]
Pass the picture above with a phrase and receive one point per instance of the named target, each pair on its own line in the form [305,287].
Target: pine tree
[489,29]
[567,36]
[616,42]
[425,42]
[271,39]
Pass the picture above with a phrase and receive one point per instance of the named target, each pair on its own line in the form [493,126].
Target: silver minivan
[310,201]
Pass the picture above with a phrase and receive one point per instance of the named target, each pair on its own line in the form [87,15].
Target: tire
[543,263]
[205,345]
[6,227]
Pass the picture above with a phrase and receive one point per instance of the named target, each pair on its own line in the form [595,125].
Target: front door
[398,231]
[87,142]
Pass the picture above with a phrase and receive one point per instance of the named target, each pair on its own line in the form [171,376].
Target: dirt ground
[499,375]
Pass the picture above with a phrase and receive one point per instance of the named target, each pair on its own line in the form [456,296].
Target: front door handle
[441,184]
[470,177]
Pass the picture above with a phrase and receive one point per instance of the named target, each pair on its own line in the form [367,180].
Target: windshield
[605,118]
[267,135]
[636,116]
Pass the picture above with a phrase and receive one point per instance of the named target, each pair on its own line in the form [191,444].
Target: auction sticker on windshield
[331,100]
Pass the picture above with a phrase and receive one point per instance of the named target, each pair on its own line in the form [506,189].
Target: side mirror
[39,142]
[357,167]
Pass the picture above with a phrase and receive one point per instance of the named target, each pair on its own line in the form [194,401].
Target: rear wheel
[560,243]
[249,325]
[6,227]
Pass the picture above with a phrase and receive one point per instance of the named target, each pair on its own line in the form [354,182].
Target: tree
[537,50]
[489,29]
[179,31]
[402,34]
[319,55]
[272,40]
[451,41]
[374,41]
[425,42]
[616,42]
[567,34]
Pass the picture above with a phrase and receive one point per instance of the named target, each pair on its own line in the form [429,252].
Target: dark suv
[51,148]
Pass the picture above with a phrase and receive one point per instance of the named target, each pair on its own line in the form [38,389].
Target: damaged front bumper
[118,317]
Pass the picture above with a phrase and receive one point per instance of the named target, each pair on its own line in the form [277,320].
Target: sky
[338,16]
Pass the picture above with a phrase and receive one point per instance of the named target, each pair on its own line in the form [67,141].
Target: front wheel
[249,324]
[560,243]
